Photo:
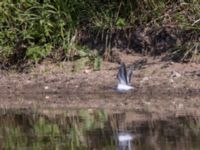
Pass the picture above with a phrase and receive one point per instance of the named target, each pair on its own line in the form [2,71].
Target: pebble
[47,97]
[175,74]
[171,80]
[46,87]
[87,71]
[144,80]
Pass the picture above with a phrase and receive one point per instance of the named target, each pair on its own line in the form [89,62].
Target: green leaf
[120,22]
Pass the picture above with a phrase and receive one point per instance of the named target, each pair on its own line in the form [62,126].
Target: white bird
[124,78]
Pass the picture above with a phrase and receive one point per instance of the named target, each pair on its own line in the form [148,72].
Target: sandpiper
[124,78]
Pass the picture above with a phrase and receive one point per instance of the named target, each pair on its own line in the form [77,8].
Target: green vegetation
[36,29]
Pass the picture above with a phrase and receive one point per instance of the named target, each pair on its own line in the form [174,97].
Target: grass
[31,31]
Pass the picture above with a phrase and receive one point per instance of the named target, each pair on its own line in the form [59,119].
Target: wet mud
[161,88]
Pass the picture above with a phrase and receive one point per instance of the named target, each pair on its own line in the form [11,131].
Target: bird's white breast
[124,87]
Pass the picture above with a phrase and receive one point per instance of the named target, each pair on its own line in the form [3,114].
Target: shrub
[42,26]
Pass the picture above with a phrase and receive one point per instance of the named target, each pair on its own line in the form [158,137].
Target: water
[95,130]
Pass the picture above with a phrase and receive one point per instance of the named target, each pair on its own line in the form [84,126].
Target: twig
[196,22]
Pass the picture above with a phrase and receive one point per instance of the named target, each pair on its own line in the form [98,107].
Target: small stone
[46,87]
[144,79]
[180,106]
[28,81]
[47,97]
[176,74]
[147,103]
[171,80]
[87,71]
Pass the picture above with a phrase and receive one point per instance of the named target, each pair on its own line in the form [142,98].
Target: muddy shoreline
[161,88]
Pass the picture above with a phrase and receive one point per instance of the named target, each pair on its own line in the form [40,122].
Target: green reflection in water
[95,129]
[22,131]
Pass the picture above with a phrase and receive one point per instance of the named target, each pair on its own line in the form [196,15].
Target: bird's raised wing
[129,76]
[122,75]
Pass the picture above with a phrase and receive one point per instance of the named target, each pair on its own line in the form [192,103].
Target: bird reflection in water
[124,140]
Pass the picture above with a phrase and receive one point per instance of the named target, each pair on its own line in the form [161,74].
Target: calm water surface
[95,130]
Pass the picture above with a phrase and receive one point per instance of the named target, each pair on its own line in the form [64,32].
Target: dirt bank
[161,88]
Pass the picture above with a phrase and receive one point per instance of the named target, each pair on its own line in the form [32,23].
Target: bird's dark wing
[122,75]
[129,76]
